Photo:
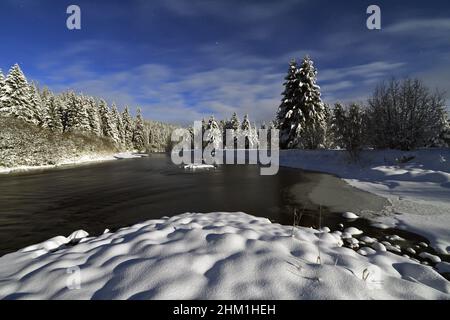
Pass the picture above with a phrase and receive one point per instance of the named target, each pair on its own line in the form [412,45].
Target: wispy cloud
[421,26]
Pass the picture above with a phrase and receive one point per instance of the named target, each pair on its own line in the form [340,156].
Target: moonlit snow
[418,190]
[213,256]
[86,159]
[349,215]
[197,166]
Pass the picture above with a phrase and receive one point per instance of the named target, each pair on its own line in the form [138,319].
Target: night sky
[184,60]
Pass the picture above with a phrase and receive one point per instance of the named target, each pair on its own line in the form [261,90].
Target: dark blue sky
[182,60]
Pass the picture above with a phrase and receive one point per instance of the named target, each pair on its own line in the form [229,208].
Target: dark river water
[38,205]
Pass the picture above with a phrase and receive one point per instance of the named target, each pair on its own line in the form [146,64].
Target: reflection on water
[39,205]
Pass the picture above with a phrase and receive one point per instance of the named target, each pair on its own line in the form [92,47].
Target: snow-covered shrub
[443,139]
[348,126]
[404,114]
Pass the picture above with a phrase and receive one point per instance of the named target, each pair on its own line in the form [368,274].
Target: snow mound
[353,231]
[214,256]
[127,155]
[194,166]
[350,215]
[418,190]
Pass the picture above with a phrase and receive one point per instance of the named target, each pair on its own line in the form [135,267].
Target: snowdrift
[213,256]
[416,183]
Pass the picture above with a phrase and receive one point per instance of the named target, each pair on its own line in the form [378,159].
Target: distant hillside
[25,144]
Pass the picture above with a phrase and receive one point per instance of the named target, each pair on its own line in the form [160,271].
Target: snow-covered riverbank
[418,189]
[213,256]
[86,159]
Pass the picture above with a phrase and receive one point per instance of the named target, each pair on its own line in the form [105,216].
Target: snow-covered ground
[418,189]
[213,256]
[73,161]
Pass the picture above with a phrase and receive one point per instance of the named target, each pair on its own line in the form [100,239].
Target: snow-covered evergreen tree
[37,105]
[77,115]
[127,122]
[301,115]
[107,126]
[290,118]
[235,123]
[139,132]
[2,90]
[16,100]
[93,116]
[313,133]
[248,133]
[329,139]
[214,134]
[52,106]
[117,121]
[245,123]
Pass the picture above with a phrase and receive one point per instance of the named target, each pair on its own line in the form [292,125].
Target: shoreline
[83,160]
[417,190]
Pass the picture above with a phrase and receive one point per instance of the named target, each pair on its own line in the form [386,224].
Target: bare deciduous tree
[404,114]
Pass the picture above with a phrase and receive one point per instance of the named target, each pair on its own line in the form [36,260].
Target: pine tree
[2,90]
[51,111]
[107,126]
[234,122]
[312,135]
[138,133]
[37,105]
[290,118]
[93,116]
[329,140]
[16,98]
[214,135]
[249,133]
[77,115]
[245,123]
[127,122]
[117,121]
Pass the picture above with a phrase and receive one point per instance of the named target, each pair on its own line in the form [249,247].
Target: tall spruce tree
[93,116]
[139,133]
[235,122]
[313,133]
[117,121]
[77,115]
[16,99]
[290,118]
[51,111]
[249,133]
[37,105]
[108,128]
[55,113]
[127,122]
[214,135]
